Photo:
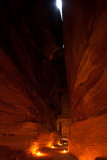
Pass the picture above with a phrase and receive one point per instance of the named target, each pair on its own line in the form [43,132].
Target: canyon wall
[26,78]
[85,40]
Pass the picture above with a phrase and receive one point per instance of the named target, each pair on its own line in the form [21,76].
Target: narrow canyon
[53,79]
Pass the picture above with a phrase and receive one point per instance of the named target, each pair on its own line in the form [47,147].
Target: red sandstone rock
[25,113]
[85,37]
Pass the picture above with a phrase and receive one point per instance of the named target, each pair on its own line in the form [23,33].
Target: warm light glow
[58,142]
[64,151]
[49,144]
[40,154]
[52,147]
[33,150]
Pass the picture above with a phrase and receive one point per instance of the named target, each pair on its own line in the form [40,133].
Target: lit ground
[46,154]
[56,153]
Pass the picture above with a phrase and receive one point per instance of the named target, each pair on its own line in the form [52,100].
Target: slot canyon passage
[53,80]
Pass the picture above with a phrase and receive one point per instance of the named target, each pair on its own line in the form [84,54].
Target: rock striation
[27,77]
[85,40]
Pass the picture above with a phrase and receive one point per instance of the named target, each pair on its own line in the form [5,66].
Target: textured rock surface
[85,38]
[24,116]
[89,138]
[26,77]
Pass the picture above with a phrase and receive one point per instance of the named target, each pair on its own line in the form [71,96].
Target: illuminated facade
[63,120]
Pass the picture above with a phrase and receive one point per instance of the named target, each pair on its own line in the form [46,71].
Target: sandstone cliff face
[85,38]
[26,44]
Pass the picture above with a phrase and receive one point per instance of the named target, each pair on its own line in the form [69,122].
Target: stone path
[56,153]
[46,154]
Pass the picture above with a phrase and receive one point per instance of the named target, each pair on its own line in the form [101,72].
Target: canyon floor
[56,153]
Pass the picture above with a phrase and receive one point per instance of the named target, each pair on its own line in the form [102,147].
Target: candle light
[38,153]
